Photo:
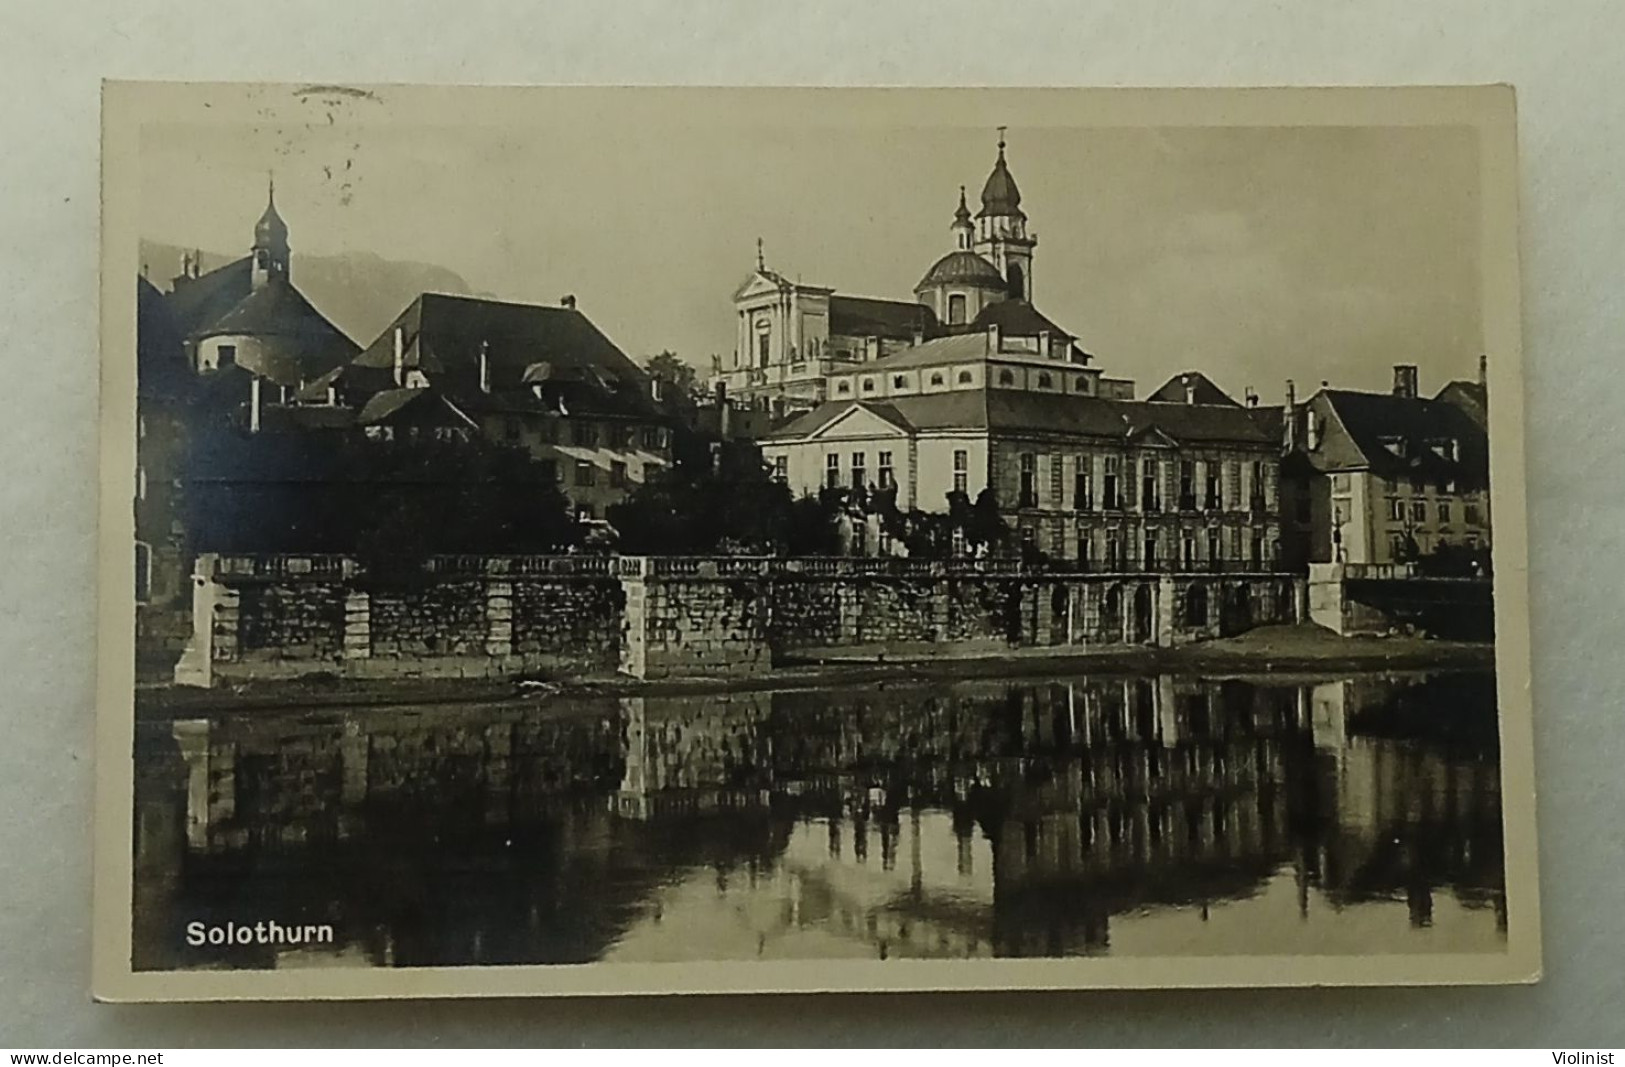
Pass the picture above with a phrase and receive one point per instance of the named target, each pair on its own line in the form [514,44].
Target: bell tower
[270,252]
[1001,229]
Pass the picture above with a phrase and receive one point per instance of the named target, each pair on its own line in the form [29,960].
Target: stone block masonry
[281,617]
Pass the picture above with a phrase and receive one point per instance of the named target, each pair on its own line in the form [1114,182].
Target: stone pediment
[860,421]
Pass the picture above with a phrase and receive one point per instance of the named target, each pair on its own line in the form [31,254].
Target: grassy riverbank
[1284,650]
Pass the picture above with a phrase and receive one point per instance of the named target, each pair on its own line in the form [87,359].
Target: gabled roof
[1191,387]
[444,335]
[1471,397]
[1372,420]
[1018,318]
[864,316]
[197,302]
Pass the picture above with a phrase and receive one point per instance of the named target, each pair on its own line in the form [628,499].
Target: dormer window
[1007,377]
[936,379]
[843,387]
[899,381]
[965,377]
[868,385]
[1396,445]
[1045,382]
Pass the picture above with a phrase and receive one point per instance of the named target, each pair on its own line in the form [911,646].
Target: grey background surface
[1568,63]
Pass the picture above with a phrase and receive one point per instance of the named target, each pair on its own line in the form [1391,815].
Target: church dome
[270,231]
[962,268]
[1000,195]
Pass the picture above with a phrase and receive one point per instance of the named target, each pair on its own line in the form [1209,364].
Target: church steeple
[1001,228]
[270,252]
[963,229]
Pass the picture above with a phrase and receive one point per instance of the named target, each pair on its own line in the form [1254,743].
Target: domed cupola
[1000,196]
[962,268]
[1001,229]
[962,282]
[270,252]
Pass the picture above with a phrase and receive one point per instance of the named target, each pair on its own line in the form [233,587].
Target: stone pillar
[193,738]
[357,625]
[1163,607]
[214,626]
[499,618]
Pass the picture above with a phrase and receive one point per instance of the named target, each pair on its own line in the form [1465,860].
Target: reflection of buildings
[989,818]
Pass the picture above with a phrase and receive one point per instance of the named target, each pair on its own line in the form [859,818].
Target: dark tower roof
[965,268]
[1000,195]
[270,231]
[962,213]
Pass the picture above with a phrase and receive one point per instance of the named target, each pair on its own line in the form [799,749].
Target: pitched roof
[1018,318]
[443,336]
[1471,397]
[1201,391]
[1416,425]
[298,342]
[1000,195]
[865,316]
[1017,411]
[197,302]
[957,348]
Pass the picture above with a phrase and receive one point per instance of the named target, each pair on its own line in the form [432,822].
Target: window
[956,309]
[885,475]
[1187,551]
[860,477]
[585,474]
[226,356]
[781,469]
[584,435]
[1419,511]
[936,379]
[1082,383]
[1108,486]
[1150,490]
[1444,512]
[1086,546]
[1340,483]
[1211,496]
[1396,510]
[1257,555]
[1214,552]
[1150,556]
[868,385]
[1187,485]
[832,471]
[651,439]
[143,573]
[1029,481]
[860,539]
[961,471]
[1007,377]
[1260,496]
[1396,545]
[843,387]
[617,474]
[1083,496]
[1418,486]
[764,347]
[1045,382]
[899,381]
[1235,485]
[964,377]
[1470,514]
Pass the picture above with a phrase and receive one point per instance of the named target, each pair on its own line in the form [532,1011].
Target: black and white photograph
[566,541]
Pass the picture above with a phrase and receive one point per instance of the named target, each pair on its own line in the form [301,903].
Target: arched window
[1007,377]
[843,387]
[1083,383]
[936,379]
[1018,282]
[868,385]
[964,377]
[956,309]
[898,381]
[1045,381]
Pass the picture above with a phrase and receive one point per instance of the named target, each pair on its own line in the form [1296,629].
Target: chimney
[655,388]
[1405,380]
[1483,372]
[254,404]
[485,366]
[1289,417]
[568,300]
[1190,389]
[993,337]
[400,355]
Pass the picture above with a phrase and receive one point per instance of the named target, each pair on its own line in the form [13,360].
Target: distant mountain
[361,292]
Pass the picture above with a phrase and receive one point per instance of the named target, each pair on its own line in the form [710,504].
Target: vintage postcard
[580,541]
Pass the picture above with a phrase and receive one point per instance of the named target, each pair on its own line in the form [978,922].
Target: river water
[1098,815]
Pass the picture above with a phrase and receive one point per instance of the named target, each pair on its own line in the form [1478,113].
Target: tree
[680,386]
[718,497]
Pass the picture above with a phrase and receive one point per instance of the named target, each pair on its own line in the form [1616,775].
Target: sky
[1256,254]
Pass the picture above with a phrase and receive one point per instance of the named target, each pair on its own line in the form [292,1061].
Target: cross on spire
[761,262]
[1001,139]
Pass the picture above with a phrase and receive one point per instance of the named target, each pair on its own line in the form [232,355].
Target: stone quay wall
[280,617]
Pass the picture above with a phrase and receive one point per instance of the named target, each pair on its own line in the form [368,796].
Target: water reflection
[1016,818]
